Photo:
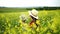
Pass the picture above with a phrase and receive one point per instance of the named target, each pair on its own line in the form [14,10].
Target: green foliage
[48,23]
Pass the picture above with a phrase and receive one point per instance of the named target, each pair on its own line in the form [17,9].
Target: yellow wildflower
[38,22]
[37,29]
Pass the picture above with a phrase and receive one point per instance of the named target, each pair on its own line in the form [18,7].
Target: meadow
[49,22]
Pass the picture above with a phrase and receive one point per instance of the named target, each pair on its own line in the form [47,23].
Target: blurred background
[48,13]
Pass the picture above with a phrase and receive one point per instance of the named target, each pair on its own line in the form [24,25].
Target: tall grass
[49,23]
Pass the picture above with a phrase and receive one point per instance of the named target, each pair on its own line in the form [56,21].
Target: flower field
[48,23]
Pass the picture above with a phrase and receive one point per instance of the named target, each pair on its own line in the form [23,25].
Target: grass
[49,23]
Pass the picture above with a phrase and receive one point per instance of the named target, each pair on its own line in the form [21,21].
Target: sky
[29,3]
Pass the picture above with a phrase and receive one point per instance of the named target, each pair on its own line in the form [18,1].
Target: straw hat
[33,13]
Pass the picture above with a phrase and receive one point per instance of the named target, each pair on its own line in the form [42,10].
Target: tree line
[44,8]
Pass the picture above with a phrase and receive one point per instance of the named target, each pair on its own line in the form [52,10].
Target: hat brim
[32,15]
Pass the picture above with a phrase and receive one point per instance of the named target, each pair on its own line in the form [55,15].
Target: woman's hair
[33,18]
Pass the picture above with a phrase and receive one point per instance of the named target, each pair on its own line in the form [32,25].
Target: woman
[33,14]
